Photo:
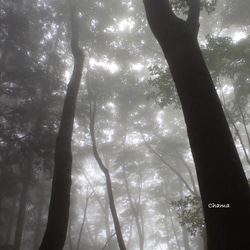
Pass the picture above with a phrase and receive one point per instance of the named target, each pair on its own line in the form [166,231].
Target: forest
[124,125]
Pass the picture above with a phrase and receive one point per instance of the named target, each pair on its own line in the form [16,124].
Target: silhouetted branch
[165,162]
[193,15]
[108,240]
[83,220]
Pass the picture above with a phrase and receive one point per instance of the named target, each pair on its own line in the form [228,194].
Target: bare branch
[83,220]
[164,161]
[106,243]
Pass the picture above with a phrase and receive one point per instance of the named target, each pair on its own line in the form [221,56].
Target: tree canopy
[140,131]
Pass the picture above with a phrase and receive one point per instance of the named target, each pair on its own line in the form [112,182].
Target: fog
[128,95]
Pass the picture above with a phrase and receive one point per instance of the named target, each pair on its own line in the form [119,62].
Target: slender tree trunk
[189,172]
[106,214]
[83,221]
[237,132]
[185,238]
[10,221]
[56,231]
[135,212]
[219,170]
[244,122]
[37,236]
[90,234]
[21,216]
[173,227]
[183,227]
[106,173]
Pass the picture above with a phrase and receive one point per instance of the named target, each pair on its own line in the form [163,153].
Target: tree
[219,170]
[105,171]
[56,230]
[27,114]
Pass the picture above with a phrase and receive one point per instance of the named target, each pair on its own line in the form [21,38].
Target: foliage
[121,55]
[236,13]
[166,93]
[190,213]
[180,6]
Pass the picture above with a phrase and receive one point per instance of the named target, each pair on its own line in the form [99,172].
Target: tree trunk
[11,216]
[83,221]
[135,211]
[219,170]
[106,173]
[183,227]
[40,193]
[56,230]
[21,216]
[106,216]
[173,227]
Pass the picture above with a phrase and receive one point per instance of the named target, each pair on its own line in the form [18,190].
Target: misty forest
[124,124]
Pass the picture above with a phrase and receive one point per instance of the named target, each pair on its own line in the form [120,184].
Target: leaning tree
[56,230]
[219,170]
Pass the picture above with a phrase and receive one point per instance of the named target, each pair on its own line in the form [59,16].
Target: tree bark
[56,231]
[21,216]
[40,193]
[106,173]
[220,174]
[11,217]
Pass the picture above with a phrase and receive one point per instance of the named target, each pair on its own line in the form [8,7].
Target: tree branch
[193,15]
[108,240]
[160,17]
[165,162]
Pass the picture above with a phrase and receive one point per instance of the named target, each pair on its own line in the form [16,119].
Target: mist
[130,143]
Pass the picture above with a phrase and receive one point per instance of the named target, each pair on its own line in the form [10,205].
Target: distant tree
[92,104]
[56,230]
[219,170]
[27,115]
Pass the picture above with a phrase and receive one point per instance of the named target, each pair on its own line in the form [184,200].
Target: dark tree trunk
[37,235]
[21,216]
[11,216]
[220,174]
[56,230]
[106,173]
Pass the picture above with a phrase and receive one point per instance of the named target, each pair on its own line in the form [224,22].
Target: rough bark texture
[220,174]
[56,230]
